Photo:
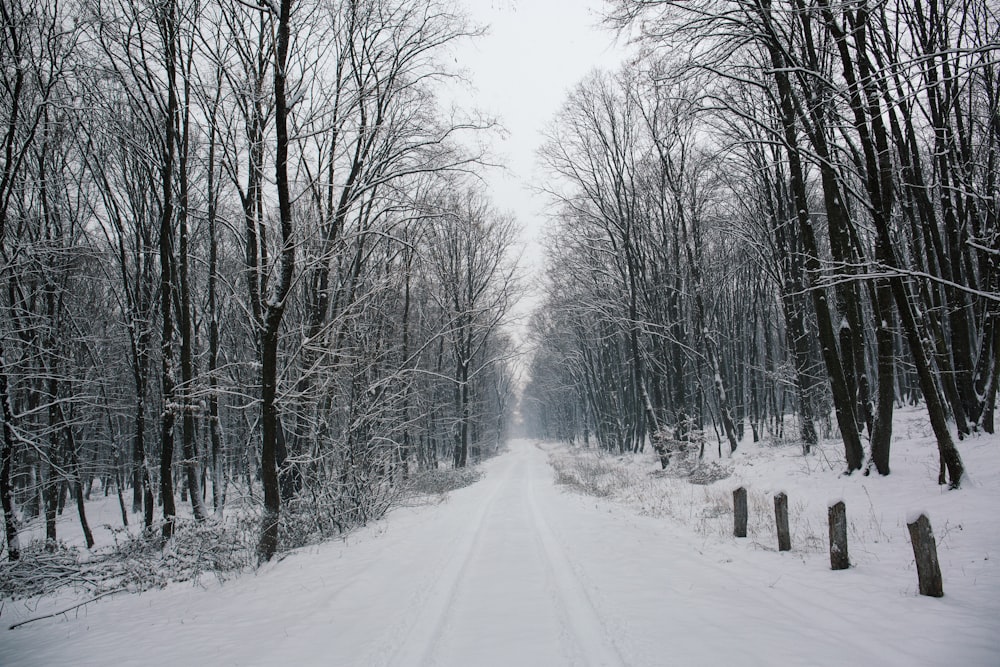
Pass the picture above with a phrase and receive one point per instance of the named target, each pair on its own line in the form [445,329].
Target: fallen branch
[68,609]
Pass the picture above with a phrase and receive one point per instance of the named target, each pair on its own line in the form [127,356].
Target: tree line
[777,207]
[242,255]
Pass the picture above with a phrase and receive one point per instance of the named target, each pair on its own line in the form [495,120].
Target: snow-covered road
[507,594]
[511,571]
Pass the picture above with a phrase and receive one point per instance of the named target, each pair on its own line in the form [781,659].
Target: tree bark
[167,20]
[879,185]
[842,398]
[740,512]
[837,517]
[6,463]
[925,554]
[268,543]
[214,424]
[81,509]
[189,447]
[781,521]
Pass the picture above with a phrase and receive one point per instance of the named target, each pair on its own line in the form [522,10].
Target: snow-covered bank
[518,570]
[966,621]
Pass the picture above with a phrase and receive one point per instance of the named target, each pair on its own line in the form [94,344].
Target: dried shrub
[135,563]
[439,482]
[600,477]
[328,510]
[708,473]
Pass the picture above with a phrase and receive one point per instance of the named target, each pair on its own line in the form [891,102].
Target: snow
[519,570]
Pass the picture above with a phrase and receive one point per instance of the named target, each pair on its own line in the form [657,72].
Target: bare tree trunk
[709,345]
[881,437]
[989,411]
[6,463]
[793,306]
[878,172]
[214,425]
[118,488]
[140,466]
[167,23]
[843,400]
[188,426]
[78,484]
[268,544]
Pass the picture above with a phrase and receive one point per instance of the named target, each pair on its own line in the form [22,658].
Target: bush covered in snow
[133,562]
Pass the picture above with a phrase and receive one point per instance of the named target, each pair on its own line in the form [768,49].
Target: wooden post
[838,537]
[740,512]
[781,519]
[925,553]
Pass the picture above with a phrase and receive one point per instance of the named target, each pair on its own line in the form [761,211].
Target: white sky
[521,71]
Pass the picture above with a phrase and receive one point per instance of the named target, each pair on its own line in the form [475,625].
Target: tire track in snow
[583,634]
[590,631]
[431,607]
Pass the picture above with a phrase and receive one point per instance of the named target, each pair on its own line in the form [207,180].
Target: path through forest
[514,570]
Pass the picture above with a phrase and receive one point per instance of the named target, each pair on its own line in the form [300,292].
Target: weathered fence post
[740,512]
[838,536]
[925,553]
[781,519]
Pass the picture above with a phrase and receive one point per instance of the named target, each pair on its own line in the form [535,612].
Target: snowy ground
[516,570]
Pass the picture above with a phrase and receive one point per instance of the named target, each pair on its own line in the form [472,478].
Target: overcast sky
[533,55]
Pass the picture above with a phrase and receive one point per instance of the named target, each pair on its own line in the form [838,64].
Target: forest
[781,215]
[245,263]
[253,280]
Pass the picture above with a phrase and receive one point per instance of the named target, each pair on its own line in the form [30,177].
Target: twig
[68,609]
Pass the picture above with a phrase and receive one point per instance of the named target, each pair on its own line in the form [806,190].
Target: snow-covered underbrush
[132,562]
[700,497]
[632,479]
[593,474]
[128,559]
[440,482]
